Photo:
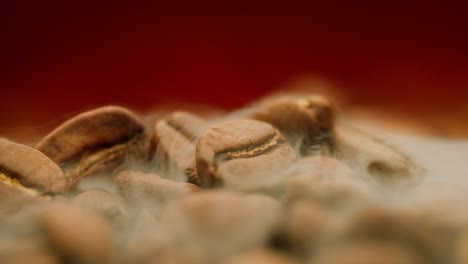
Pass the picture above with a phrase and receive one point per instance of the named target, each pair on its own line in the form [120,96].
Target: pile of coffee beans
[284,181]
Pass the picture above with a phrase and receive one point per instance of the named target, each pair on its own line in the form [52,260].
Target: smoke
[154,215]
[445,182]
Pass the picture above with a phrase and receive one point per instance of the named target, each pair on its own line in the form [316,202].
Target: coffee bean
[101,202]
[372,156]
[220,223]
[261,256]
[24,222]
[147,239]
[175,137]
[78,235]
[306,225]
[27,257]
[149,121]
[94,141]
[239,149]
[150,190]
[28,170]
[460,251]
[367,252]
[176,255]
[25,250]
[305,121]
[325,180]
[15,197]
[428,240]
[295,185]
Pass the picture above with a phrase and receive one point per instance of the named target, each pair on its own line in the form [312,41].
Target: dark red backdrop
[59,57]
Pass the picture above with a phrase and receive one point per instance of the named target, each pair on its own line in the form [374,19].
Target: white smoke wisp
[443,187]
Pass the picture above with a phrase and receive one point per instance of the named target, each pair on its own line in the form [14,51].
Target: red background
[60,57]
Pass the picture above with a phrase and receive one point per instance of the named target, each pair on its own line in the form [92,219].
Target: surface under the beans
[288,180]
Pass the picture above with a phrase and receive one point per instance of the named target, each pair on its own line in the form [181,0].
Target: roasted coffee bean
[95,141]
[306,121]
[325,180]
[101,202]
[25,257]
[426,239]
[25,250]
[369,155]
[24,222]
[368,252]
[296,185]
[149,122]
[381,235]
[175,255]
[261,256]
[306,224]
[147,239]
[14,198]
[78,235]
[148,189]
[323,177]
[240,149]
[175,137]
[28,170]
[460,251]
[220,223]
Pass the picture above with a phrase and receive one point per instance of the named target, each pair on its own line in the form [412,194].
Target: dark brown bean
[98,140]
[78,235]
[239,149]
[27,169]
[175,137]
[305,121]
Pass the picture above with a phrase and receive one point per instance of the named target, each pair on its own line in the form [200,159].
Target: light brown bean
[239,149]
[175,137]
[95,141]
